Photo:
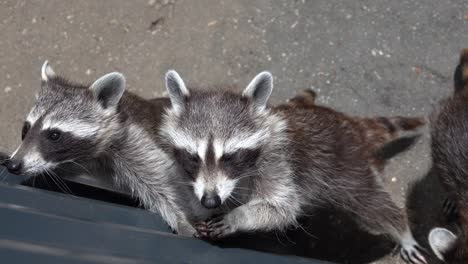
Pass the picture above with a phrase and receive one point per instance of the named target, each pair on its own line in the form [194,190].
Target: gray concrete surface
[363,57]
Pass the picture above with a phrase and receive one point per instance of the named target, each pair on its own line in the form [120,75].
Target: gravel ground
[362,57]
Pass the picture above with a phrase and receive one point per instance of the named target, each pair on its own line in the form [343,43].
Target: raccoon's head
[68,122]
[448,247]
[217,137]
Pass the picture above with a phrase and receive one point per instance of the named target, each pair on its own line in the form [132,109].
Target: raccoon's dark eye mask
[188,161]
[244,157]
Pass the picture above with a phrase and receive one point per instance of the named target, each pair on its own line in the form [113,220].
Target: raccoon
[449,133]
[375,133]
[262,169]
[103,130]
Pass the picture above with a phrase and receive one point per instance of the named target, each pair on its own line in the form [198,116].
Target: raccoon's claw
[411,254]
[202,230]
[214,229]
[450,210]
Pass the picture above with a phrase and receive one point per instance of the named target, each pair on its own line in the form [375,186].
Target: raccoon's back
[449,134]
[146,113]
[326,148]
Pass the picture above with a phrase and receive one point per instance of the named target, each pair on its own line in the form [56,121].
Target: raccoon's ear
[177,90]
[47,72]
[109,89]
[259,89]
[460,76]
[441,241]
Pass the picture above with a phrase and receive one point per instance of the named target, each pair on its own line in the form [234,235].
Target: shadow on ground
[329,235]
[424,203]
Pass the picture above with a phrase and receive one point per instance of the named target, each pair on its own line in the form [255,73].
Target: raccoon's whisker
[247,176]
[59,179]
[307,232]
[278,238]
[53,179]
[248,189]
[44,176]
[59,182]
[235,200]
[81,166]
[283,232]
[184,183]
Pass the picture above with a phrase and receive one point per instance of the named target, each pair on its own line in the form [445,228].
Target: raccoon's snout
[211,201]
[14,166]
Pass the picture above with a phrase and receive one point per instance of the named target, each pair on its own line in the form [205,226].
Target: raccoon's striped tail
[381,131]
[397,124]
[460,77]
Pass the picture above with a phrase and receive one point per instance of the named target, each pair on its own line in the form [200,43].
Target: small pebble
[7,89]
[393,179]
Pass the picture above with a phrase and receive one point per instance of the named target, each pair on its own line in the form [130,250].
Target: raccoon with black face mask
[105,131]
[263,168]
[449,133]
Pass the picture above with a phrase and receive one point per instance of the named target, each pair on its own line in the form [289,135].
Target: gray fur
[109,89]
[449,144]
[117,139]
[308,158]
[226,115]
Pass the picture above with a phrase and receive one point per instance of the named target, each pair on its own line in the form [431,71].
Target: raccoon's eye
[25,130]
[53,135]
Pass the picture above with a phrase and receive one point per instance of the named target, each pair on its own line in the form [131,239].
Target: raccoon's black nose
[211,201]
[14,166]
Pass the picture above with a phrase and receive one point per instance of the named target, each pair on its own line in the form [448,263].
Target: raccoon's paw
[215,229]
[187,230]
[411,253]
[450,210]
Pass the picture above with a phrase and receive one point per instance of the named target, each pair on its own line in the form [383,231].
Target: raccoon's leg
[184,228]
[164,202]
[174,218]
[376,212]
[255,215]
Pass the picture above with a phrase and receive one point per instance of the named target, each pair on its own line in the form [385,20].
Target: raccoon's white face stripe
[246,141]
[75,127]
[218,148]
[225,186]
[33,162]
[182,140]
[16,151]
[33,116]
[202,149]
[199,187]
[222,184]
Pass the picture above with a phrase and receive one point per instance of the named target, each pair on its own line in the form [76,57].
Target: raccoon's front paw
[215,229]
[187,230]
[411,253]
